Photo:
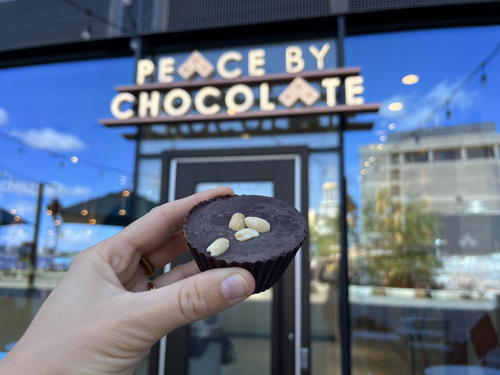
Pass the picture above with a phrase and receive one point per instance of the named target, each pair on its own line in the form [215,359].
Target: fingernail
[234,287]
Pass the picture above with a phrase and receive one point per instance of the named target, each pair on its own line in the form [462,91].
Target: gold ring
[151,285]
[146,265]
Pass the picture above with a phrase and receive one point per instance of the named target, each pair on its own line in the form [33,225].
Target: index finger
[154,229]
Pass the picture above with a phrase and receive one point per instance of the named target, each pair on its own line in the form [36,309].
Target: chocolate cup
[265,272]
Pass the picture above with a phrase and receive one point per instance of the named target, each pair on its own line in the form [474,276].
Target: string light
[410,79]
[395,106]
[84,212]
[391,126]
[13,211]
[86,33]
[92,221]
[122,212]
[57,222]
[126,193]
[17,218]
[50,212]
[74,159]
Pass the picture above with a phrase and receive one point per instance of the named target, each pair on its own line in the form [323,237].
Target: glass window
[416,157]
[480,152]
[448,154]
[423,265]
[394,158]
[52,147]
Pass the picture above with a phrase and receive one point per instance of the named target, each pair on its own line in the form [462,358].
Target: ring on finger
[147,266]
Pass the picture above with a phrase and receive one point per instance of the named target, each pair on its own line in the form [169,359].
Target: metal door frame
[300,297]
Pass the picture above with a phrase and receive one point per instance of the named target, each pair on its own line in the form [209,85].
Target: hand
[101,319]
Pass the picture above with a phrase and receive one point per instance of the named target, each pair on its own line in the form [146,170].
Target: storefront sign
[158,97]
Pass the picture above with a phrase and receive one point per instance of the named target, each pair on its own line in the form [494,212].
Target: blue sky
[56,107]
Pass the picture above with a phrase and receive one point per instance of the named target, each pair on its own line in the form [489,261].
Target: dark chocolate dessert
[258,233]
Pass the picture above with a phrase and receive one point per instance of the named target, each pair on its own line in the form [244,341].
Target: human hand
[101,319]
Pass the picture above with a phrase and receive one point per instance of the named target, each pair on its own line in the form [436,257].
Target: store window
[424,263]
[53,150]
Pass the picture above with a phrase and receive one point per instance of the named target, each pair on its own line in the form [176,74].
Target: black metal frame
[281,362]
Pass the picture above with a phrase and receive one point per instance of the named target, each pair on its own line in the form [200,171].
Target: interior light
[410,79]
[395,106]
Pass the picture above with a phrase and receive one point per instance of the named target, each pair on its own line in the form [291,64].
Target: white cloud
[18,187]
[49,139]
[55,189]
[58,189]
[418,108]
[4,116]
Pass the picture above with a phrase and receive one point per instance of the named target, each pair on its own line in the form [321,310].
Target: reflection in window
[425,271]
[394,158]
[265,188]
[395,174]
[395,190]
[480,152]
[416,157]
[448,154]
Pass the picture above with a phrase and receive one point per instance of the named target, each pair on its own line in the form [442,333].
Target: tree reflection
[399,241]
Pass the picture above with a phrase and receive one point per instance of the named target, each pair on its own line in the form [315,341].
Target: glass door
[268,333]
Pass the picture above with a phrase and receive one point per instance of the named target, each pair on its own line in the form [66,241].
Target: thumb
[198,297]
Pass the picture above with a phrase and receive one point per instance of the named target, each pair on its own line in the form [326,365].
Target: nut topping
[246,234]
[237,222]
[260,225]
[218,247]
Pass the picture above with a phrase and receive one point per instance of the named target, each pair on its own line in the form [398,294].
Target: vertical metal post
[137,44]
[36,233]
[343,293]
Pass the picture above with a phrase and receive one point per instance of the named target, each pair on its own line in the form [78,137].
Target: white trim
[298,258]
[298,273]
[235,158]
[171,197]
